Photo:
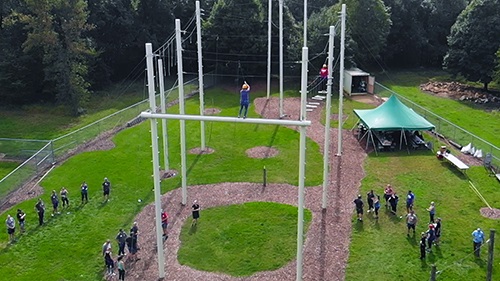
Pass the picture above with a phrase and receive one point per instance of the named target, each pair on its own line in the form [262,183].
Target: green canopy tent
[392,115]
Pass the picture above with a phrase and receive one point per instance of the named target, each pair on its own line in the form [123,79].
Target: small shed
[358,82]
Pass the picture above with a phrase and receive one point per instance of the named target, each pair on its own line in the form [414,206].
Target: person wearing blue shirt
[410,200]
[244,99]
[477,239]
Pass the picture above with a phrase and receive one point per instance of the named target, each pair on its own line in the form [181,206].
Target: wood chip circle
[490,213]
[198,150]
[211,111]
[262,152]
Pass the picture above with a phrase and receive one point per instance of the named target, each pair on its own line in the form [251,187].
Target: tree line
[63,51]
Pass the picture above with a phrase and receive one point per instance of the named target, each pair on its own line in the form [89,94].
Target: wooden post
[433,273]
[491,247]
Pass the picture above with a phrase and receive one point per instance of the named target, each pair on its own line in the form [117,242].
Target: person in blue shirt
[244,99]
[85,192]
[477,239]
[410,200]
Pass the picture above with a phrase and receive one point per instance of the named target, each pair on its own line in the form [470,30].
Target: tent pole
[367,138]
[373,142]
[401,139]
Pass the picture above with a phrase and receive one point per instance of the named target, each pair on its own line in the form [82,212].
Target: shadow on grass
[480,262]
[193,229]
[322,247]
[359,226]
[412,240]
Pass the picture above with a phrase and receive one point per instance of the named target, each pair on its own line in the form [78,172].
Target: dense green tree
[496,76]
[474,40]
[297,7]
[56,27]
[235,33]
[115,37]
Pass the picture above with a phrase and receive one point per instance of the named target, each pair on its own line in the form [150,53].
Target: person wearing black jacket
[40,209]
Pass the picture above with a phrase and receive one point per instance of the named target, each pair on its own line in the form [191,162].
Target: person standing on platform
[244,99]
[323,74]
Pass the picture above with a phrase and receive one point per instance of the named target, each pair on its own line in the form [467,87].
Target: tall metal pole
[269,42]
[341,79]
[181,109]
[302,167]
[281,57]
[305,23]
[163,110]
[156,160]
[200,73]
[326,156]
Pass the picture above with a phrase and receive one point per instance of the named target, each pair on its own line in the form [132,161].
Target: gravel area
[326,247]
[262,152]
[211,111]
[198,150]
[490,213]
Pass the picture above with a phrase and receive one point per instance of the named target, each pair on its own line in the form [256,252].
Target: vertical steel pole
[200,73]
[302,167]
[305,23]
[156,161]
[180,75]
[269,43]
[163,110]
[326,149]
[341,79]
[282,114]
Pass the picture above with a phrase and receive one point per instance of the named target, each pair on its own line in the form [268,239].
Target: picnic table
[456,162]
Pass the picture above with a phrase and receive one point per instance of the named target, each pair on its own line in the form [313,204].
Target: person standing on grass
[477,239]
[121,268]
[106,187]
[393,201]
[244,99]
[121,238]
[432,212]
[423,242]
[21,217]
[437,230]
[376,205]
[85,192]
[410,200]
[55,202]
[105,247]
[323,73]
[109,262]
[196,212]
[411,222]
[40,209]
[388,191]
[164,224]
[64,197]
[431,236]
[369,199]
[359,207]
[11,227]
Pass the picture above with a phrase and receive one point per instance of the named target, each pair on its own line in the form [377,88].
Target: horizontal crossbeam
[226,119]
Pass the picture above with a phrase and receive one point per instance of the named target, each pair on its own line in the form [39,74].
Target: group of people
[54,198]
[429,237]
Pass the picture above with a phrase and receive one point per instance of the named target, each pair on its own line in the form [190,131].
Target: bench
[456,162]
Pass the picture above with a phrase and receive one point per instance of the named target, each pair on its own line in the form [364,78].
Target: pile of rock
[460,91]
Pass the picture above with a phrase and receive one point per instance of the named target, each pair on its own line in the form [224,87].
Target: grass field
[380,250]
[242,239]
[6,168]
[76,238]
[69,244]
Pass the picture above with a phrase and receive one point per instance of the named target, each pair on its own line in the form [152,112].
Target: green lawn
[380,250]
[6,168]
[242,239]
[74,240]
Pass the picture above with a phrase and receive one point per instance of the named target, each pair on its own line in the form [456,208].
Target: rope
[460,260]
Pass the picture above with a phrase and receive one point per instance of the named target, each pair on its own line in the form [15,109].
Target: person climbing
[244,99]
[323,73]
